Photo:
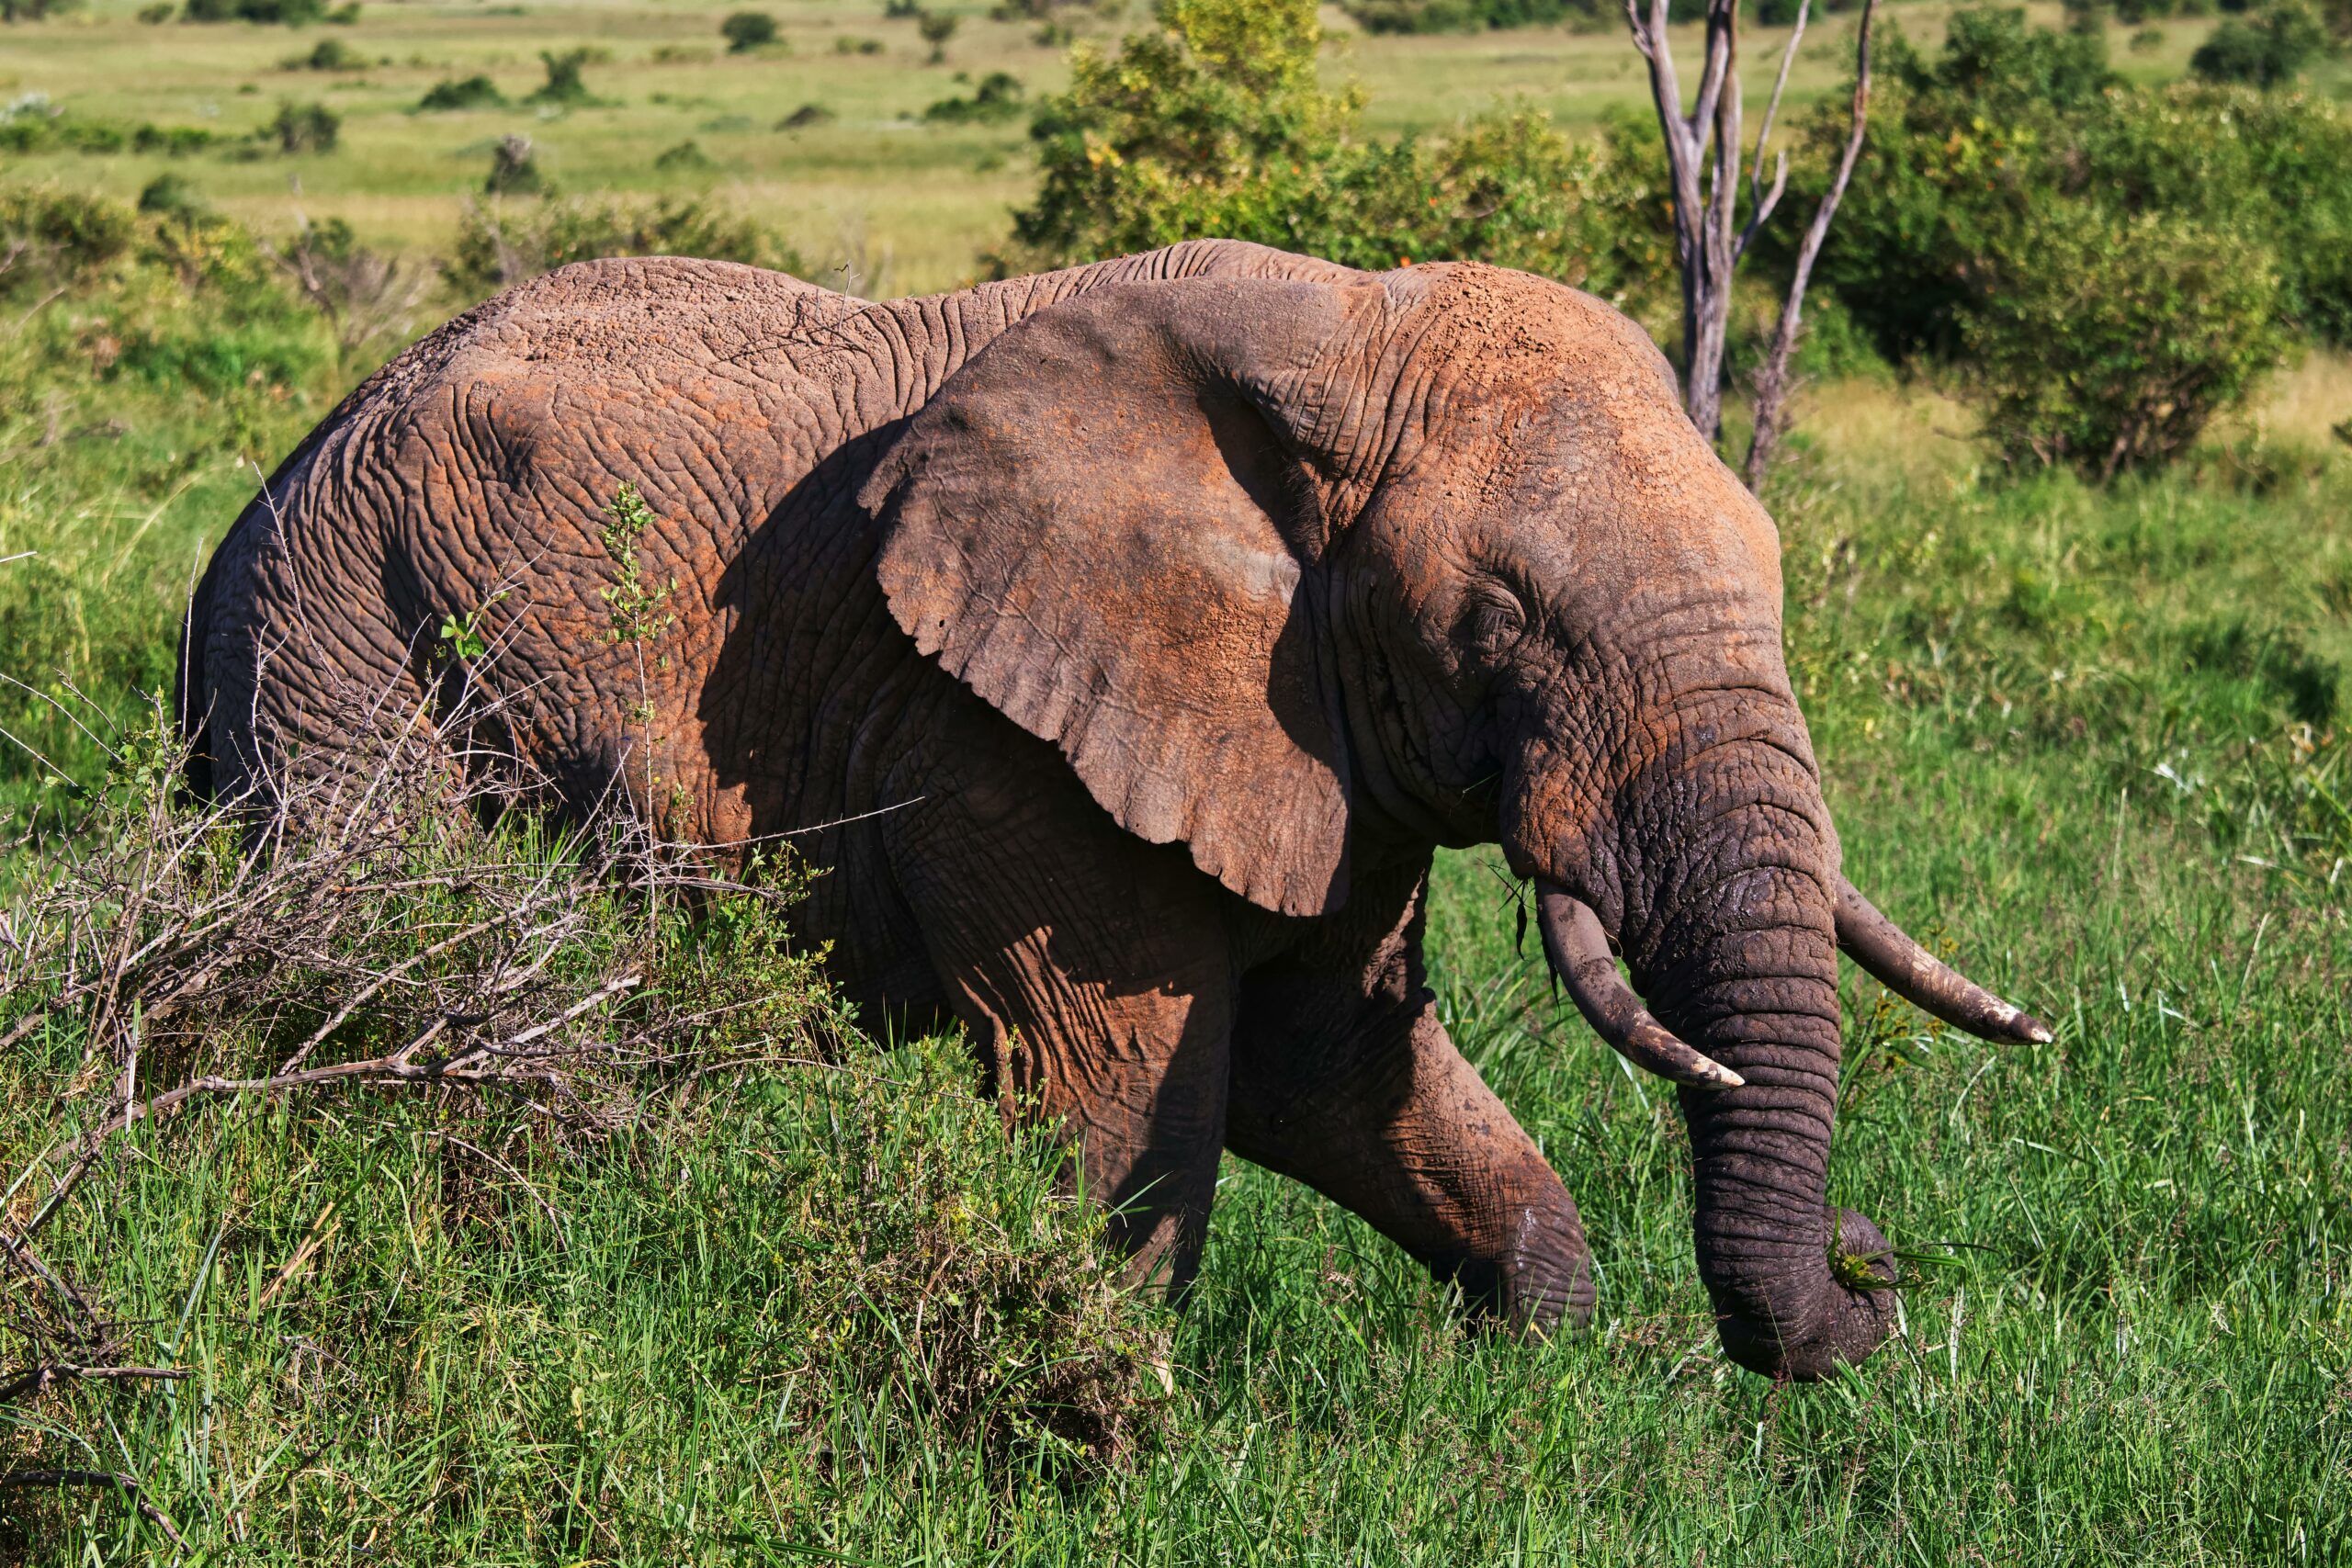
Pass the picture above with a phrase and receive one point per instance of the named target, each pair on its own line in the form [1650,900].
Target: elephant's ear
[1103,525]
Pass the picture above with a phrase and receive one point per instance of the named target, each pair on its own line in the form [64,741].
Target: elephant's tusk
[1578,949]
[1911,972]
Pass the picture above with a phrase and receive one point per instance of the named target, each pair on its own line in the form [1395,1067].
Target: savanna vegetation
[594,1230]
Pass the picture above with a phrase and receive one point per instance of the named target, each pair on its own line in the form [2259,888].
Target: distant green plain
[907,207]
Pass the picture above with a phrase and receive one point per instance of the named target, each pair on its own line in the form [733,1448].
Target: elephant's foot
[1541,1281]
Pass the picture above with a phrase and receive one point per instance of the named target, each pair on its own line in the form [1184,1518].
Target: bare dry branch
[128,1485]
[354,922]
[1772,379]
[1761,201]
[1706,152]
[33,1380]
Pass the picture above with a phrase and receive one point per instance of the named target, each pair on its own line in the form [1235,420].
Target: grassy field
[2089,739]
[907,206]
[2093,740]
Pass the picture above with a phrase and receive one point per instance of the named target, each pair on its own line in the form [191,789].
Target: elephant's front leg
[1095,975]
[1344,1078]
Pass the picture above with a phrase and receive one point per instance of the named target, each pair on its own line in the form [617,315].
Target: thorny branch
[127,1484]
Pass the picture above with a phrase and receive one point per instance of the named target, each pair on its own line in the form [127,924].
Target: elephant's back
[473,473]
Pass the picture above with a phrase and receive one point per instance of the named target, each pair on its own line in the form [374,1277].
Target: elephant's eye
[1491,623]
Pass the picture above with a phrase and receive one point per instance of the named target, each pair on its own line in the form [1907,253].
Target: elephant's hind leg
[1344,1078]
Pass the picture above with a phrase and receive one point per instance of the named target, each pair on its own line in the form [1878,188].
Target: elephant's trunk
[1749,976]
[1732,937]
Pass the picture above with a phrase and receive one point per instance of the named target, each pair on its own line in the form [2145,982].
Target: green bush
[1465,15]
[997,97]
[565,87]
[2269,48]
[1216,125]
[173,140]
[282,12]
[451,95]
[1965,150]
[1221,93]
[34,125]
[305,127]
[499,245]
[2105,345]
[2274,166]
[748,30]
[331,54]
[687,157]
[49,233]
[168,196]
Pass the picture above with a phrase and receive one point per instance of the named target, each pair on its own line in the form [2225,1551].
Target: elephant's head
[1307,574]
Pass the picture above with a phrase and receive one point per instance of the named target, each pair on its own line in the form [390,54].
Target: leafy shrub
[173,140]
[499,245]
[1216,126]
[32,124]
[47,232]
[282,12]
[2263,50]
[305,127]
[513,170]
[451,95]
[997,97]
[687,157]
[935,27]
[1465,15]
[1963,151]
[331,54]
[747,30]
[2269,165]
[1222,92]
[2107,345]
[168,196]
[565,87]
[156,15]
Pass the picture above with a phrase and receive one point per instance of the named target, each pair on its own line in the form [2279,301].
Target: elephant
[1119,644]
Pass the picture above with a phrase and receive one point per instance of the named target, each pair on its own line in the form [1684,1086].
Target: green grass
[2094,741]
[2137,1347]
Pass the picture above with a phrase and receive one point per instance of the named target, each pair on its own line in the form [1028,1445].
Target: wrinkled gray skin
[1143,628]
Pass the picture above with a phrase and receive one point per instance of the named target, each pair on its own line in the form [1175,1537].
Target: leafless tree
[1704,152]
